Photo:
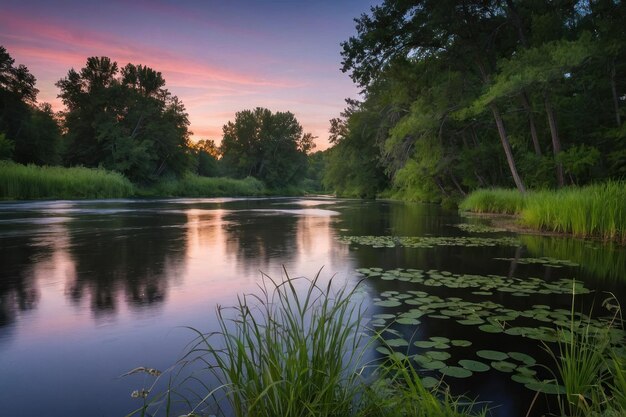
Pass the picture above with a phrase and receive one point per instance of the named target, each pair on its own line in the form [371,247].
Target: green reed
[398,391]
[494,200]
[597,211]
[24,182]
[592,211]
[295,349]
[195,186]
[589,367]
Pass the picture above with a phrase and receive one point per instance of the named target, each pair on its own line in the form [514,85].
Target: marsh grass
[589,368]
[592,211]
[196,186]
[494,200]
[398,391]
[26,182]
[295,349]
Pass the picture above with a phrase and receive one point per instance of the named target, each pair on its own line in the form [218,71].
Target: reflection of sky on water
[90,290]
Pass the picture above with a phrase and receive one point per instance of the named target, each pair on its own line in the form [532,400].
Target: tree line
[124,119]
[458,95]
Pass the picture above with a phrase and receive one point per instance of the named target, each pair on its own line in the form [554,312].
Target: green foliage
[296,349]
[124,121]
[31,132]
[6,147]
[591,211]
[269,146]
[196,186]
[496,200]
[20,182]
[543,82]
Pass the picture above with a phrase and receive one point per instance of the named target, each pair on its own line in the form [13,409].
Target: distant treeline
[125,120]
[477,94]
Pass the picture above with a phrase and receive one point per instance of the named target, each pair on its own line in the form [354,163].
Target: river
[92,289]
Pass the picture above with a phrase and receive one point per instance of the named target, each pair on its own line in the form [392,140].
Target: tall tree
[269,146]
[124,120]
[31,133]
[461,31]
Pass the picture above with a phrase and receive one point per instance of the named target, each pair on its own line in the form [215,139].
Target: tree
[460,31]
[207,154]
[30,132]
[269,146]
[124,120]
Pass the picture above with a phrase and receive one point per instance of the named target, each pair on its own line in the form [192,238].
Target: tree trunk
[531,121]
[507,148]
[556,142]
[618,118]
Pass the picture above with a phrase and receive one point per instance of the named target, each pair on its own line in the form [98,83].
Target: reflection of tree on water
[130,254]
[18,291]
[261,237]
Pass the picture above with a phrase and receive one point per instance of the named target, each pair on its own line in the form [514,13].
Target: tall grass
[195,186]
[595,210]
[24,182]
[398,392]
[297,350]
[592,211]
[589,368]
[494,200]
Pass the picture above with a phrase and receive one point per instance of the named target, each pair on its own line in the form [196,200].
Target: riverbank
[594,211]
[31,182]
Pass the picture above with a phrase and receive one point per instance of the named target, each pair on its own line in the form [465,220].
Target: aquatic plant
[25,182]
[592,211]
[494,200]
[296,349]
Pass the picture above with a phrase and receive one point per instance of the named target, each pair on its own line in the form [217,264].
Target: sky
[218,57]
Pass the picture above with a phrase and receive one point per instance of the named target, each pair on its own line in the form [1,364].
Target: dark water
[92,289]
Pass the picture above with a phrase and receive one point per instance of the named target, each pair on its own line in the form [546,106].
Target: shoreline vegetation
[594,211]
[299,348]
[32,182]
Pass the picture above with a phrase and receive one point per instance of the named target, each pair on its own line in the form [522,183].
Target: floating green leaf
[473,365]
[456,372]
[492,355]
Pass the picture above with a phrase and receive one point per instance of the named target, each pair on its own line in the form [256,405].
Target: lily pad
[493,355]
[456,372]
[434,365]
[438,355]
[396,342]
[388,303]
[474,366]
[503,366]
[546,387]
[522,357]
[429,382]
[461,343]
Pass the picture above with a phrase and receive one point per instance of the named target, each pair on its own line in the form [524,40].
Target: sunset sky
[218,57]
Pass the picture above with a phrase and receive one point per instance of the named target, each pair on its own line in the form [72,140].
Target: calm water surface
[92,289]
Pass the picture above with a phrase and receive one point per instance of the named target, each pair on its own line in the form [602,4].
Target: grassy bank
[597,211]
[29,182]
[196,186]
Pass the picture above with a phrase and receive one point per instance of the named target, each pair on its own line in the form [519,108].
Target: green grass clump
[494,200]
[27,182]
[195,186]
[295,350]
[592,211]
[597,211]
